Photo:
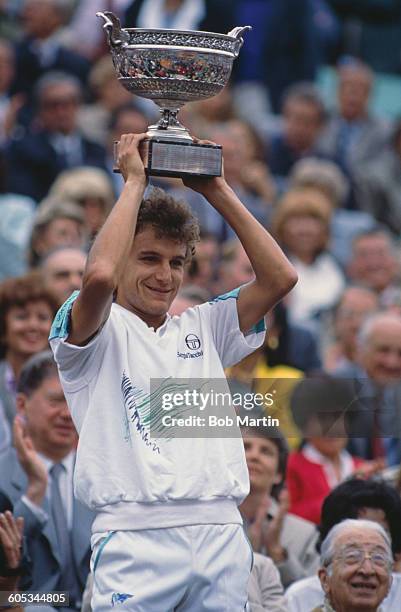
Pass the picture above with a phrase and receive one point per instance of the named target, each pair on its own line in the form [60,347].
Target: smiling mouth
[364,586]
[254,469]
[31,337]
[64,427]
[158,290]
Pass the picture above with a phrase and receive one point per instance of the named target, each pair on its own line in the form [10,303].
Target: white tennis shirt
[131,479]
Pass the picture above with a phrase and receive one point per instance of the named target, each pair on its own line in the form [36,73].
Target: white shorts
[199,568]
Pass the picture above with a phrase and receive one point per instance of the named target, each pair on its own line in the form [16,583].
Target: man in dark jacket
[54,142]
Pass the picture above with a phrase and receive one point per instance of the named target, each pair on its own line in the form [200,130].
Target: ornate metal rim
[187,33]
[137,37]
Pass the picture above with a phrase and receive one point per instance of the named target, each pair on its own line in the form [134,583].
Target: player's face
[152,276]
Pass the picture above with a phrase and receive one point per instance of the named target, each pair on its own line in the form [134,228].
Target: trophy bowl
[173,67]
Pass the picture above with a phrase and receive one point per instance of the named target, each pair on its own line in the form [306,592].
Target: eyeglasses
[356,556]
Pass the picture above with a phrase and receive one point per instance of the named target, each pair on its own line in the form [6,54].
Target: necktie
[68,578]
[377,444]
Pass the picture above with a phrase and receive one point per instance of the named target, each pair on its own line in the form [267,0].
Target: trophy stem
[168,126]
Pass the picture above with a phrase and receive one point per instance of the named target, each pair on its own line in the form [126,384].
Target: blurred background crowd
[310,126]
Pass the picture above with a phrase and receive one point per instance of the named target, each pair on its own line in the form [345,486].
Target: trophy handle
[237,33]
[112,26]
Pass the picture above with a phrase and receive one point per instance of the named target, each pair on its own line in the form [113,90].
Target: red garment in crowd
[308,483]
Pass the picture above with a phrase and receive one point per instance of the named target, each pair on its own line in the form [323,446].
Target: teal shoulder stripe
[226,296]
[259,327]
[61,323]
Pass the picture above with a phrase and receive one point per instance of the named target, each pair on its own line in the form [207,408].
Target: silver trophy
[172,67]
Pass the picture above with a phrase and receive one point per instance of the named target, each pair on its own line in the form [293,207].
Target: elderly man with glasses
[356,563]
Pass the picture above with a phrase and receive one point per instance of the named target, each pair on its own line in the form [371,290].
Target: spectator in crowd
[126,119]
[371,499]
[355,498]
[301,224]
[57,223]
[109,94]
[16,219]
[288,540]
[200,116]
[375,418]
[288,352]
[63,269]
[91,188]
[204,264]
[349,583]
[378,185]
[11,546]
[237,162]
[206,15]
[353,136]
[41,50]
[5,430]
[8,18]
[9,104]
[390,301]
[27,308]
[84,33]
[303,119]
[255,174]
[355,304]
[283,48]
[374,263]
[366,25]
[235,268]
[265,591]
[54,142]
[327,28]
[345,224]
[289,344]
[319,406]
[37,477]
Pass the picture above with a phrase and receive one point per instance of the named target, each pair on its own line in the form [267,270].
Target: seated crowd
[323,514]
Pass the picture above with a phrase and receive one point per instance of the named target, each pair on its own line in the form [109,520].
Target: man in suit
[353,135]
[54,143]
[304,117]
[37,477]
[41,47]
[375,417]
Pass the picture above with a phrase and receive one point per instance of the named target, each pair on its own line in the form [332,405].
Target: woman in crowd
[285,538]
[91,189]
[27,309]
[302,226]
[57,223]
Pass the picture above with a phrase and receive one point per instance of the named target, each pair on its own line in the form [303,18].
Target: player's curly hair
[170,218]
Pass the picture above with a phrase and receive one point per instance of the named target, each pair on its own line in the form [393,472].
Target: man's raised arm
[275,275]
[108,255]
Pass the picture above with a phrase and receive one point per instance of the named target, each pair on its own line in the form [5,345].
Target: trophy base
[171,158]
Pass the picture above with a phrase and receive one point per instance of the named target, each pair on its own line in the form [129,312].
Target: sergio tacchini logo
[192,341]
